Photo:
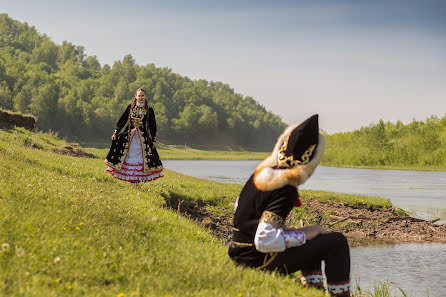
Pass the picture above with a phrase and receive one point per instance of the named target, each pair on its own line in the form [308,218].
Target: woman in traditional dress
[133,156]
[261,238]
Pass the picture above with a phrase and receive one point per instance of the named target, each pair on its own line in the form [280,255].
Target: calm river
[419,269]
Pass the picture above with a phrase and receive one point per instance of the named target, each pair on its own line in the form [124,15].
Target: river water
[418,269]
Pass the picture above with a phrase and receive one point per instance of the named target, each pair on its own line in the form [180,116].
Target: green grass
[40,140]
[390,167]
[349,199]
[27,115]
[70,229]
[172,152]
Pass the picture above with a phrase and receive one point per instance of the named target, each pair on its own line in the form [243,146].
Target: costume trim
[145,149]
[135,178]
[138,180]
[267,178]
[242,243]
[126,174]
[273,219]
[294,238]
[312,278]
[288,162]
[121,159]
[339,288]
[269,257]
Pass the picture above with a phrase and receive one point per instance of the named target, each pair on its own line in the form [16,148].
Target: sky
[352,62]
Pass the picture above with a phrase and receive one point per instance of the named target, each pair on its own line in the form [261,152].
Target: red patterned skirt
[133,168]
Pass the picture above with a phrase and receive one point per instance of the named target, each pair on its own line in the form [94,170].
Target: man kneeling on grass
[260,238]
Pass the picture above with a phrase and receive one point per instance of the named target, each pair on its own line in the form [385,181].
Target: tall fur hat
[296,155]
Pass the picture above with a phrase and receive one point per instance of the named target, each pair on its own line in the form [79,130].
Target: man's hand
[312,231]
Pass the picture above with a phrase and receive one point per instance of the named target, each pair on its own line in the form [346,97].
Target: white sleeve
[236,204]
[270,239]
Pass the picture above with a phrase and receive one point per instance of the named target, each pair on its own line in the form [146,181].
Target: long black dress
[132,156]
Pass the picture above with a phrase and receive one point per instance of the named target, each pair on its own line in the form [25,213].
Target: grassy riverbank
[69,229]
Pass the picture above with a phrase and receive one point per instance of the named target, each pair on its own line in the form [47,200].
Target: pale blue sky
[353,62]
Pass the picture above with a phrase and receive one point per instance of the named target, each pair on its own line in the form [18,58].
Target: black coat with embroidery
[146,127]
[251,204]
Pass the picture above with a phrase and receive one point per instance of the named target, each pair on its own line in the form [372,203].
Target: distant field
[170,152]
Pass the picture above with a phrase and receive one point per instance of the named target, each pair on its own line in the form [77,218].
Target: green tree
[23,99]
[5,98]
[44,105]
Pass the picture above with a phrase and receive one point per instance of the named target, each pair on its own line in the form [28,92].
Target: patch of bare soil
[365,226]
[220,226]
[11,119]
[362,226]
[73,151]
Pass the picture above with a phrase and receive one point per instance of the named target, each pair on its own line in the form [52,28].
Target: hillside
[69,229]
[75,95]
[417,145]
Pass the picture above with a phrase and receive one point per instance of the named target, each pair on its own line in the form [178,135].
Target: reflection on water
[418,269]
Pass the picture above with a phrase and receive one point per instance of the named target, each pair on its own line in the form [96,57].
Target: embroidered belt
[240,239]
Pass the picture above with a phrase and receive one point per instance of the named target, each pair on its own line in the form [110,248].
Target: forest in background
[73,94]
[417,144]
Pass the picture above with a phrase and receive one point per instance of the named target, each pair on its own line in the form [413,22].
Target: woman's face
[140,97]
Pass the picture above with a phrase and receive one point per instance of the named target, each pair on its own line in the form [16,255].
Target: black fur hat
[296,155]
[299,146]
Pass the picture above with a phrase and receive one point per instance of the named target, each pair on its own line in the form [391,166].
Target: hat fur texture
[267,178]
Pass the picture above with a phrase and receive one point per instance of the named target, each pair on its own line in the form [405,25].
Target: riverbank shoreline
[362,225]
[365,226]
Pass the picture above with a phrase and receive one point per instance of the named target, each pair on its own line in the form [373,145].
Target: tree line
[75,95]
[417,144]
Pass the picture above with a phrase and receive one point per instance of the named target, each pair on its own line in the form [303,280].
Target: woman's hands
[310,231]
[114,135]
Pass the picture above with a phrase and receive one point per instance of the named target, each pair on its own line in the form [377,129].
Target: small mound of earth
[364,226]
[11,119]
[73,151]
